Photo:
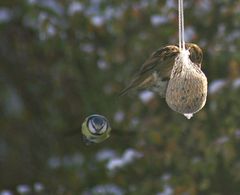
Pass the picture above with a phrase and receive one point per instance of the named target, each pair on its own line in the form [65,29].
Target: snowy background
[64,60]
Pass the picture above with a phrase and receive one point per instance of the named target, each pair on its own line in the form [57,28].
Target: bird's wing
[161,61]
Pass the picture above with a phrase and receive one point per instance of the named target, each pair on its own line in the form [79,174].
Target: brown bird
[175,75]
[156,71]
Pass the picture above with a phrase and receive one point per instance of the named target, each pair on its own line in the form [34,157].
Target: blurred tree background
[62,60]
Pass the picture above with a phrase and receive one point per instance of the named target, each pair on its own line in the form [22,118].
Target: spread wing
[160,61]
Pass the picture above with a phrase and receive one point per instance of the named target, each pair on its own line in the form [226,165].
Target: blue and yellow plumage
[95,129]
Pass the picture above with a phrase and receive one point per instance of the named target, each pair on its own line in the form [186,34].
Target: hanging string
[182,12]
[181,25]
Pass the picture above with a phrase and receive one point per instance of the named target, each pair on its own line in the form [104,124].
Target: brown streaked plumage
[155,72]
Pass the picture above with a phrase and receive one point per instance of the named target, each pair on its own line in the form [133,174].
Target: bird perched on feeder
[95,129]
[156,75]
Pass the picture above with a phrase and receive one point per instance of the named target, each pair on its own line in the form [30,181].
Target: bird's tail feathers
[125,91]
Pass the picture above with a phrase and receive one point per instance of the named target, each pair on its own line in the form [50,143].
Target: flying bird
[95,129]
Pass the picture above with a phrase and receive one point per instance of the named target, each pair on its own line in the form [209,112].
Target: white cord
[181,25]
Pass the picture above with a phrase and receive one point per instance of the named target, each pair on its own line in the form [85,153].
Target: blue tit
[95,129]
